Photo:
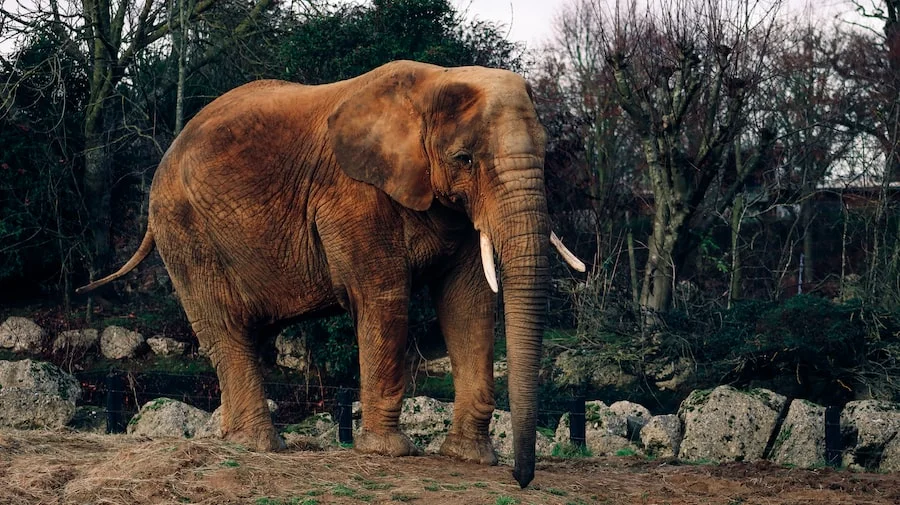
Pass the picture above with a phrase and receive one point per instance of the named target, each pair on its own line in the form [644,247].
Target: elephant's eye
[463,157]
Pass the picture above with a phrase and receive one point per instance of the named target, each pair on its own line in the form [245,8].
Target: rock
[35,394]
[89,419]
[577,368]
[501,369]
[728,425]
[318,430]
[636,416]
[602,429]
[292,352]
[801,440]
[867,428]
[661,436]
[165,346]
[212,428]
[75,341]
[436,366]
[890,458]
[118,343]
[426,421]
[21,335]
[670,375]
[164,417]
[501,432]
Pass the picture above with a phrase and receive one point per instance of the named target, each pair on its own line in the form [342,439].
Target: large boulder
[661,436]
[165,346]
[21,334]
[869,428]
[728,425]
[164,417]
[801,440]
[119,343]
[292,352]
[635,414]
[35,394]
[76,341]
[890,458]
[426,421]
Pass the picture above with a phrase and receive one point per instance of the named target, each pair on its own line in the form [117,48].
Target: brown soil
[52,467]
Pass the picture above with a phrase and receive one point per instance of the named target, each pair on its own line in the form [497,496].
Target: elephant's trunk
[522,239]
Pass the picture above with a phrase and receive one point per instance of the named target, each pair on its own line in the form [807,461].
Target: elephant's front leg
[465,308]
[381,325]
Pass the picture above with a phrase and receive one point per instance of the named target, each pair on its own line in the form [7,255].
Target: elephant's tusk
[487,261]
[567,255]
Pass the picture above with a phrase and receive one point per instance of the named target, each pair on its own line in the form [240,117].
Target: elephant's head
[470,138]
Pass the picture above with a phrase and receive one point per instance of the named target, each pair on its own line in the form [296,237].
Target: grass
[627,451]
[230,463]
[342,490]
[505,500]
[570,451]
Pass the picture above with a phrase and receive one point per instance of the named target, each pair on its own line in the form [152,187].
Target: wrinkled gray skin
[280,201]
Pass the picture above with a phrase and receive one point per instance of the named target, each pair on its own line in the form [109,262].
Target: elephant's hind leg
[245,415]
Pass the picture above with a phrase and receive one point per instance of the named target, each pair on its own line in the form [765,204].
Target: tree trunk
[807,211]
[737,212]
[663,261]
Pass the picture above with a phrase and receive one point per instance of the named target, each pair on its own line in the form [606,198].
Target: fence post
[115,394]
[576,422]
[345,416]
[834,445]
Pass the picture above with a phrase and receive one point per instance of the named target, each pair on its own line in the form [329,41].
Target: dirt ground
[58,467]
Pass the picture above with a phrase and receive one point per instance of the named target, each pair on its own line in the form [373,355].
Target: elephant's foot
[476,450]
[388,444]
[259,439]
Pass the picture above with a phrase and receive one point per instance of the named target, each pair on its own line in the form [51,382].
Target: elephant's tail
[139,255]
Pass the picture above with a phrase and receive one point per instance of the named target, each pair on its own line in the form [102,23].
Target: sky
[532,21]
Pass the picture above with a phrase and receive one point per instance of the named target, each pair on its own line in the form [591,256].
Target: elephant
[280,201]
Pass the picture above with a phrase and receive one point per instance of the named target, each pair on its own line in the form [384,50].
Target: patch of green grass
[547,432]
[432,487]
[315,492]
[505,500]
[570,451]
[454,487]
[403,497]
[342,490]
[230,463]
[700,462]
[556,492]
[627,451]
[480,485]
[376,486]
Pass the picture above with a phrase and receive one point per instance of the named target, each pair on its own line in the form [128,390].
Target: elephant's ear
[377,136]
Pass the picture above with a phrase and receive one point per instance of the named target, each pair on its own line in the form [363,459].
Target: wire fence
[121,394]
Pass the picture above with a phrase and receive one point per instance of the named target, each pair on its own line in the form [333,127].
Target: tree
[106,37]
[683,73]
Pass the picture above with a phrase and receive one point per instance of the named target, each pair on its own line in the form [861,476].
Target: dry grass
[72,468]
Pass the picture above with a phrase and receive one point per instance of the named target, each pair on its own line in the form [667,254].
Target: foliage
[357,38]
[39,194]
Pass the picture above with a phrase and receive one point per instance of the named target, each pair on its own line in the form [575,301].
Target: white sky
[532,21]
